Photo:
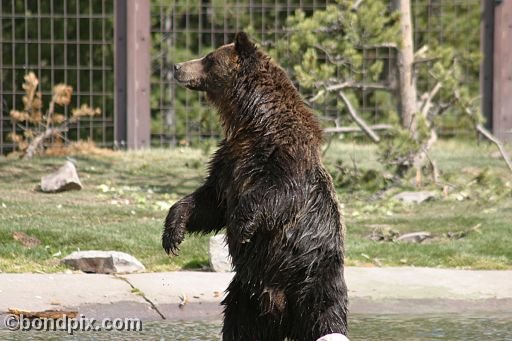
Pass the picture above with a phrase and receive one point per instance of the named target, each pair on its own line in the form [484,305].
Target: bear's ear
[243,46]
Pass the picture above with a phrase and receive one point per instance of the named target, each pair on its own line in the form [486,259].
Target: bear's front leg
[200,212]
[175,225]
[244,220]
[267,207]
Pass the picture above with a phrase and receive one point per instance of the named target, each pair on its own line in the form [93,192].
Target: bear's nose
[177,67]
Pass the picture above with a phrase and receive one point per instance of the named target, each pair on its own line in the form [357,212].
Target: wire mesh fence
[72,41]
[65,41]
[182,30]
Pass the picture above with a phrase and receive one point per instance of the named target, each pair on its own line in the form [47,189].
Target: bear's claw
[171,241]
[174,231]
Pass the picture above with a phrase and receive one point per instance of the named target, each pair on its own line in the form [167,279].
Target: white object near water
[333,337]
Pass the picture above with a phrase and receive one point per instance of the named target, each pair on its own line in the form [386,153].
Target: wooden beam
[138,71]
[502,73]
[133,67]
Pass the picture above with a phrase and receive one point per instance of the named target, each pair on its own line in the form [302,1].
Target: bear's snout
[190,74]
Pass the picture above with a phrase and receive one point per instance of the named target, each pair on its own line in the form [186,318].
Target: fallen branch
[359,121]
[487,134]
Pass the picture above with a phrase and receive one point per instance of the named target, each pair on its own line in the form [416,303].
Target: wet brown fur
[268,187]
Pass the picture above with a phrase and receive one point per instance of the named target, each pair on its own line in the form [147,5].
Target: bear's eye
[208,60]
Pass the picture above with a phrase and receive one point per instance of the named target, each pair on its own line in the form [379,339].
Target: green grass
[126,197]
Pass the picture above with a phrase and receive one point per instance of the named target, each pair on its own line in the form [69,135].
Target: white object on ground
[415,197]
[333,337]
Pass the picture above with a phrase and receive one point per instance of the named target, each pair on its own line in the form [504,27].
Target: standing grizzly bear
[268,187]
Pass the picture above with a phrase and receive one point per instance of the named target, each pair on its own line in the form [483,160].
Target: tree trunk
[405,63]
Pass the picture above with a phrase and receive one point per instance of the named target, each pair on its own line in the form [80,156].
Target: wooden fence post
[133,67]
[502,71]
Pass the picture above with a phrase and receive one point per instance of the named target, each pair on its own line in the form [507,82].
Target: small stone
[415,197]
[64,179]
[105,262]
[218,253]
[415,237]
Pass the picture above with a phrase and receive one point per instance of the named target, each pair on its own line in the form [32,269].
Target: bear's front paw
[174,231]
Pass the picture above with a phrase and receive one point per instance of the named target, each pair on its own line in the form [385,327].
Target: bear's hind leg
[243,318]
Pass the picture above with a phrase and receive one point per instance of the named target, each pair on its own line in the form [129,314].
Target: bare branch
[424,60]
[362,86]
[39,139]
[357,129]
[427,98]
[421,52]
[347,85]
[380,45]
[422,156]
[487,134]
[317,96]
[356,5]
[359,121]
[331,59]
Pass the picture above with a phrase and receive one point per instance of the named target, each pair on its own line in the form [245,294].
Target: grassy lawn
[126,197]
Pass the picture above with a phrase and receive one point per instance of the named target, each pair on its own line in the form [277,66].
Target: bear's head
[217,70]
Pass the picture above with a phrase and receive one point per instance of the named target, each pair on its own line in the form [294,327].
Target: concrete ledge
[371,291]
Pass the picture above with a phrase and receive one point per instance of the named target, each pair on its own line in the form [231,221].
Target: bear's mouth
[190,74]
[192,84]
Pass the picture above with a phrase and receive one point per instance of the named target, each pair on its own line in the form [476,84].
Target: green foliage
[342,45]
[339,35]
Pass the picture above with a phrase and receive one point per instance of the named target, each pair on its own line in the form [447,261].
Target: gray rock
[414,237]
[415,197]
[64,179]
[218,252]
[103,262]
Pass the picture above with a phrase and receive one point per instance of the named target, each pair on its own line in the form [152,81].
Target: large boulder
[63,179]
[103,262]
[218,253]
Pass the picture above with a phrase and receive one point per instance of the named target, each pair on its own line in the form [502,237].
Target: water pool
[362,327]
